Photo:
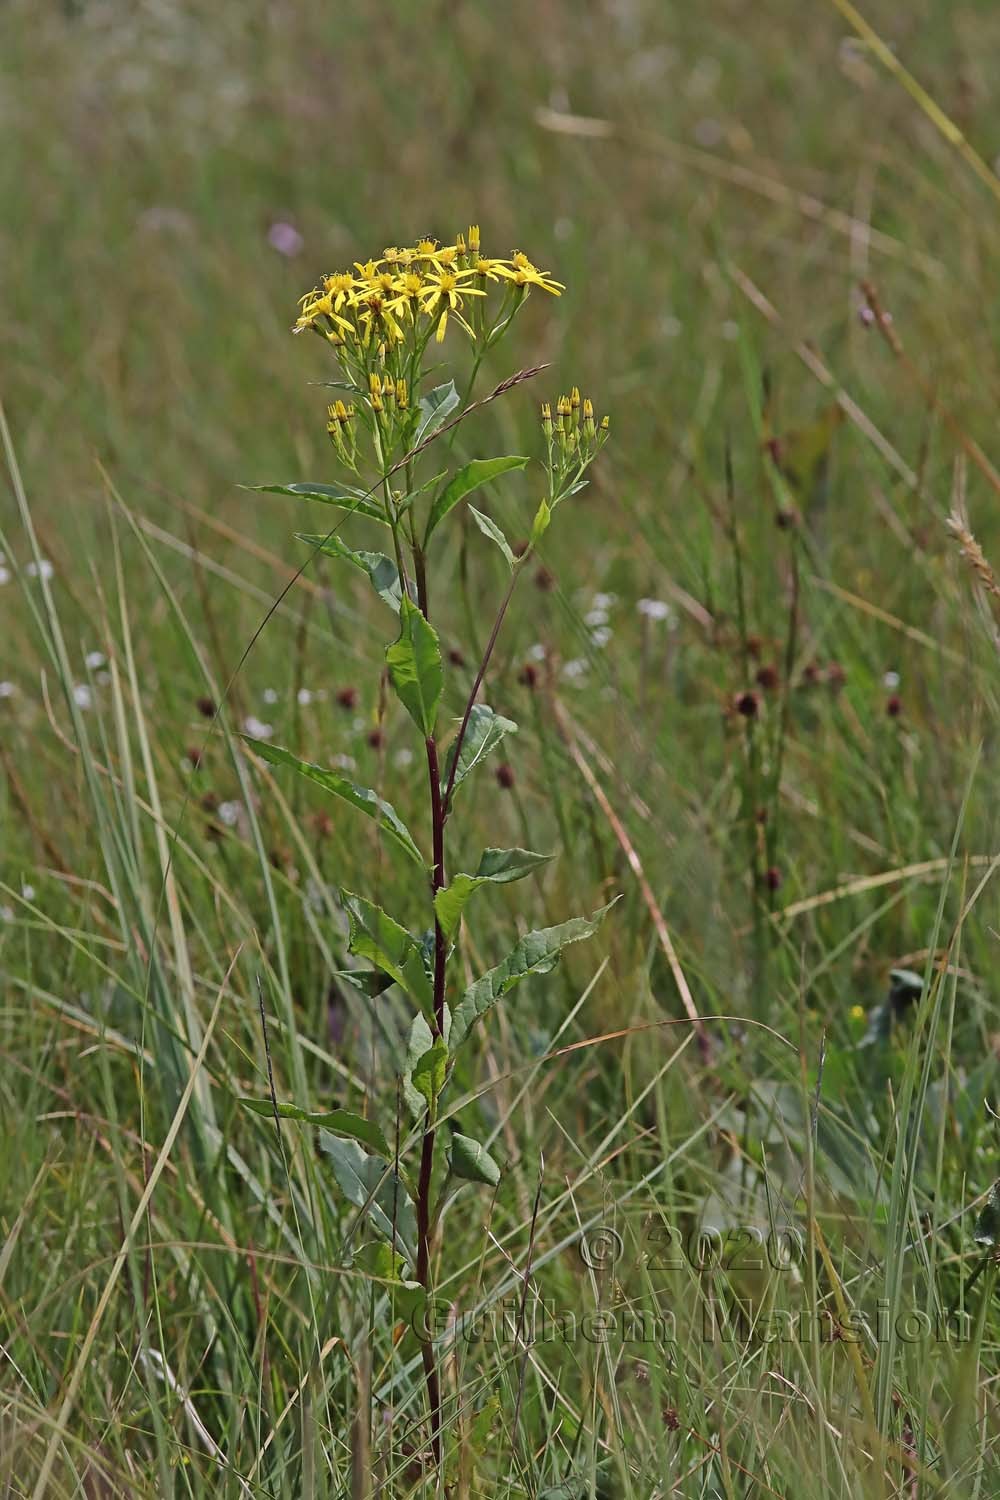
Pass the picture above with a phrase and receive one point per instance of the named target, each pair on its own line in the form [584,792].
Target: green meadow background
[179,1309]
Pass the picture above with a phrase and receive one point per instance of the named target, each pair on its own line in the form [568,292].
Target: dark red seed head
[528,675]
[193,754]
[520,548]
[455,657]
[505,776]
[835,675]
[376,739]
[671,1419]
[772,878]
[747,704]
[894,706]
[545,580]
[347,697]
[811,672]
[206,707]
[767,677]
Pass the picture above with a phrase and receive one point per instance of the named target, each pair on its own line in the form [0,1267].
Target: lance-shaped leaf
[536,953]
[468,478]
[344,497]
[497,867]
[370,1184]
[361,797]
[483,733]
[380,569]
[472,1161]
[492,530]
[435,408]
[415,671]
[428,1074]
[379,938]
[340,1121]
[421,1041]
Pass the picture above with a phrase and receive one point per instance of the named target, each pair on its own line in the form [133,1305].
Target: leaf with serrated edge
[381,570]
[340,1121]
[369,1183]
[428,1073]
[492,530]
[435,408]
[421,1040]
[497,867]
[361,797]
[468,478]
[536,953]
[472,1161]
[483,733]
[353,501]
[379,938]
[415,670]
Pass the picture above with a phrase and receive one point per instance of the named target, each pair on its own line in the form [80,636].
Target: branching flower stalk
[382,321]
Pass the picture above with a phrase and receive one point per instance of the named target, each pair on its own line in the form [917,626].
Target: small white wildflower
[601,636]
[269,695]
[28,892]
[257,729]
[730,330]
[345,762]
[595,617]
[4,575]
[891,679]
[304,696]
[95,659]
[7,689]
[563,228]
[578,667]
[357,725]
[104,678]
[536,652]
[82,696]
[604,601]
[43,569]
[654,609]
[671,327]
[6,913]
[403,757]
[229,813]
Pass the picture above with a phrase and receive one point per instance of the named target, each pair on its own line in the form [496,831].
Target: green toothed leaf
[470,477]
[340,1121]
[483,733]
[369,1183]
[492,530]
[381,570]
[497,867]
[343,497]
[415,670]
[472,1161]
[379,938]
[366,801]
[435,408]
[536,953]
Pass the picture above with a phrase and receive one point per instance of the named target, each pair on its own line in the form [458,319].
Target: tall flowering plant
[382,322]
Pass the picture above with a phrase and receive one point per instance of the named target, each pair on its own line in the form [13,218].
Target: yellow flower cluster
[417,290]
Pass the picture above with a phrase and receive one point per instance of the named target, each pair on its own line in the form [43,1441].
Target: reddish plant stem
[440,806]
